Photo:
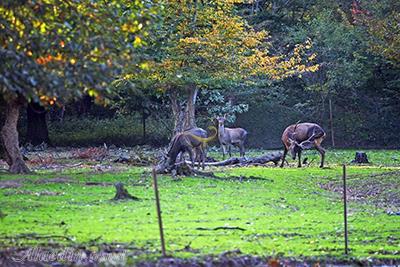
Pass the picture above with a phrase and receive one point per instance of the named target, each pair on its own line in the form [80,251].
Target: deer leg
[284,156]
[190,151]
[229,150]
[322,152]
[204,155]
[199,156]
[223,151]
[241,148]
[299,155]
[195,155]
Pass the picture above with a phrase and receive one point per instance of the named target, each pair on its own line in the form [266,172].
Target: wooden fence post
[346,248]
[159,212]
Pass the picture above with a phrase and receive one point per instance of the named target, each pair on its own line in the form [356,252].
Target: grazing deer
[230,136]
[301,136]
[192,141]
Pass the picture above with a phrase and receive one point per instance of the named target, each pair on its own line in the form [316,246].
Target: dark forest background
[355,93]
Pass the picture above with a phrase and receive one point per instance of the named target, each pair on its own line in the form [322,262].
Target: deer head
[294,147]
[221,121]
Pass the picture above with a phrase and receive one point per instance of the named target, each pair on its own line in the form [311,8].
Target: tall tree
[205,44]
[55,49]
[382,19]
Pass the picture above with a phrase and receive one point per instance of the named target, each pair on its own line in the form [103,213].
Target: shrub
[119,130]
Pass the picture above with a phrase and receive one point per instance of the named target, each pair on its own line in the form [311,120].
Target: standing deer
[194,142]
[300,136]
[230,136]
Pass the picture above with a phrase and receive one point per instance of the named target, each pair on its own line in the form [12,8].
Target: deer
[194,142]
[301,136]
[230,136]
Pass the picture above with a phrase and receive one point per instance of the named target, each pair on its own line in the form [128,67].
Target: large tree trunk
[190,118]
[9,136]
[184,112]
[184,115]
[37,132]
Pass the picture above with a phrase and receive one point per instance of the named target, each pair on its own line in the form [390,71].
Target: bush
[119,130]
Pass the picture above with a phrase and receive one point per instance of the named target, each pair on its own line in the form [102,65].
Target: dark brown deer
[194,142]
[230,136]
[300,136]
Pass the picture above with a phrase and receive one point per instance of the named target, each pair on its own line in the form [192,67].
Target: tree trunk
[184,113]
[177,112]
[37,132]
[122,193]
[190,116]
[9,136]
[361,157]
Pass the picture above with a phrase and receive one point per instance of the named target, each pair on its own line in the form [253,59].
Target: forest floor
[286,214]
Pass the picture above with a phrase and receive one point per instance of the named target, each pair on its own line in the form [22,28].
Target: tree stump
[361,157]
[122,193]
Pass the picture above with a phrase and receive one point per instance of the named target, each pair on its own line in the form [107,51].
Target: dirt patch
[60,180]
[11,183]
[104,257]
[32,193]
[234,260]
[99,183]
[382,190]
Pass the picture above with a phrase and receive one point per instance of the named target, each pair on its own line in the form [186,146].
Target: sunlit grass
[286,212]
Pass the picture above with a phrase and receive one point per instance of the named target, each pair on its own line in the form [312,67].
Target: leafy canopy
[57,48]
[205,44]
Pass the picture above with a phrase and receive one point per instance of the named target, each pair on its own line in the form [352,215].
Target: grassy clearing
[377,157]
[287,212]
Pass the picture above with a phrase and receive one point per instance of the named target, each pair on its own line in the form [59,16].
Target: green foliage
[58,48]
[119,130]
[206,45]
[216,104]
[382,21]
[356,50]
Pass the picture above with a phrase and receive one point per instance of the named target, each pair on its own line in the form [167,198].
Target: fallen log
[271,157]
[184,168]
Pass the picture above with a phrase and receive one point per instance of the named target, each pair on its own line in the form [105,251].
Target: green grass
[377,157]
[286,213]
